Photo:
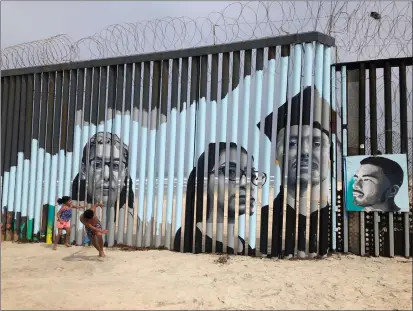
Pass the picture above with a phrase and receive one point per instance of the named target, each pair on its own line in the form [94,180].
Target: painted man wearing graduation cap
[315,140]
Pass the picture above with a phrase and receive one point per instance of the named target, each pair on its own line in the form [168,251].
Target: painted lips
[357,193]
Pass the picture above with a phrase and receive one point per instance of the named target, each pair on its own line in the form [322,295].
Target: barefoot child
[63,219]
[94,228]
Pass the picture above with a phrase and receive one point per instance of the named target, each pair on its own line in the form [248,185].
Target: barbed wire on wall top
[363,30]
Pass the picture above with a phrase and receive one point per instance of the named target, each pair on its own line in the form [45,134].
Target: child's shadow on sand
[78,256]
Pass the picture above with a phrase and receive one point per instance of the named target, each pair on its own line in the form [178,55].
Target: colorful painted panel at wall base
[376,183]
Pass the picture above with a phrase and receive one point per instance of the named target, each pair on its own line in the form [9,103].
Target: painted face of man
[370,186]
[232,185]
[319,148]
[105,172]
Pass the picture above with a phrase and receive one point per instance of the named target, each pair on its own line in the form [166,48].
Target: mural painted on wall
[119,132]
[377,183]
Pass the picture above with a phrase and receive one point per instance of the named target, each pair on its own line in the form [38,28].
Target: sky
[23,21]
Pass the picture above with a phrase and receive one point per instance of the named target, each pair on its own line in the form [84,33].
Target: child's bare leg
[94,242]
[57,238]
[68,231]
[99,239]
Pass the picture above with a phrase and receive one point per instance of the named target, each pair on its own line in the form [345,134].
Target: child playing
[63,219]
[94,228]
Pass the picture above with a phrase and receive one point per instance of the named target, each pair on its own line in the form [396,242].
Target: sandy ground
[35,277]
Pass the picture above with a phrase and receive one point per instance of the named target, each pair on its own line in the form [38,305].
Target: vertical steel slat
[108,212]
[292,137]
[210,204]
[55,157]
[191,166]
[179,230]
[317,117]
[388,140]
[143,147]
[85,149]
[6,219]
[91,192]
[344,140]
[373,142]
[221,139]
[373,108]
[70,169]
[33,158]
[133,145]
[199,150]
[101,128]
[212,190]
[120,157]
[362,140]
[86,129]
[77,154]
[334,210]
[93,128]
[27,155]
[155,109]
[325,154]
[20,157]
[256,151]
[162,150]
[233,163]
[244,143]
[171,157]
[279,121]
[264,221]
[61,177]
[126,191]
[4,113]
[41,156]
[10,233]
[353,110]
[4,108]
[48,211]
[121,119]
[239,196]
[404,137]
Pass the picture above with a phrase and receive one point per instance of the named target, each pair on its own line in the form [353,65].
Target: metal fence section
[129,131]
[228,149]
[365,89]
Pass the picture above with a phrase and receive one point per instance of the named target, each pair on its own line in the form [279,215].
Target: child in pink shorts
[63,219]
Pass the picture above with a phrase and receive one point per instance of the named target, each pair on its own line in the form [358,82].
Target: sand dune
[35,277]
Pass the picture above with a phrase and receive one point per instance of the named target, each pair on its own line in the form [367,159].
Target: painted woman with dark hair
[217,169]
